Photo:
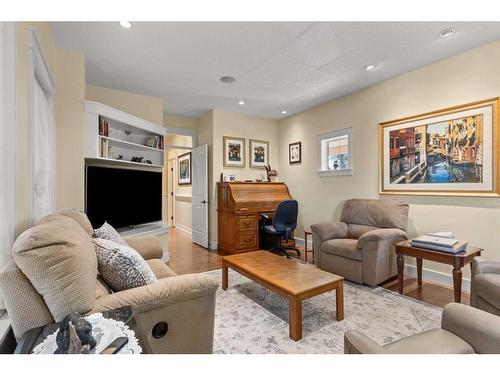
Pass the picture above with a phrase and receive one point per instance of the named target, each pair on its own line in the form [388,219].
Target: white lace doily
[104,331]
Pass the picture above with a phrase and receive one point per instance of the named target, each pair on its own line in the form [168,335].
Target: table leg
[224,276]
[457,283]
[295,318]
[305,246]
[401,267]
[419,271]
[340,301]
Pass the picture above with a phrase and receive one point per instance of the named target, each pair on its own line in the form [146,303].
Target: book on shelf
[103,127]
[155,142]
[439,243]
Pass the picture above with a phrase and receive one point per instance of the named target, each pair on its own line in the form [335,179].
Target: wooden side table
[307,232]
[457,260]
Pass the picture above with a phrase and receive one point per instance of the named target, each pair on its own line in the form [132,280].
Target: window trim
[321,138]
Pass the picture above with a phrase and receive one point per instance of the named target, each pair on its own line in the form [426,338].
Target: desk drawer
[248,240]
[248,223]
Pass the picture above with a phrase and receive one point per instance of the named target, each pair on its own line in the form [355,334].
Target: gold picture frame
[258,153]
[234,152]
[447,152]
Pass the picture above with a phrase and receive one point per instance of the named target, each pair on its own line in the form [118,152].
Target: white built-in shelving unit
[127,135]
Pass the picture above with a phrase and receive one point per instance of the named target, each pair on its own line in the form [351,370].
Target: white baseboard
[212,245]
[436,277]
[184,229]
[301,242]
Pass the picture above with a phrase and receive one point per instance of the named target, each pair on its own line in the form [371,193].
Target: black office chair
[283,224]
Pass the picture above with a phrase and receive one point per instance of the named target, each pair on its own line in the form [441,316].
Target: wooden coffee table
[458,260]
[293,280]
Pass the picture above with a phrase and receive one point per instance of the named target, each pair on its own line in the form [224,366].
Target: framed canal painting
[454,151]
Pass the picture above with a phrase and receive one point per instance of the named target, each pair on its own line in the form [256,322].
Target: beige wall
[22,103]
[470,76]
[146,107]
[236,125]
[70,129]
[179,121]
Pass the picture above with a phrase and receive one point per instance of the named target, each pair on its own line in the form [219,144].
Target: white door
[200,195]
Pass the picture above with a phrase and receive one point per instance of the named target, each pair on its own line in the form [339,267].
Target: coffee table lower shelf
[271,280]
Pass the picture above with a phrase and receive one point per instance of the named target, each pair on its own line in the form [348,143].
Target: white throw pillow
[121,266]
[107,232]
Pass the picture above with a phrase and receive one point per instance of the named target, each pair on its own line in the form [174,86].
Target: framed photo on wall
[234,152]
[184,168]
[453,151]
[259,153]
[295,153]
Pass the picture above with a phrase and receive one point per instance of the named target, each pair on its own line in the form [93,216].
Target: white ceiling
[278,65]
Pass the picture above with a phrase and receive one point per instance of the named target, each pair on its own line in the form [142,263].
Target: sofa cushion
[121,266]
[58,258]
[160,269]
[376,213]
[107,232]
[80,217]
[487,286]
[344,247]
[101,288]
[435,341]
[357,230]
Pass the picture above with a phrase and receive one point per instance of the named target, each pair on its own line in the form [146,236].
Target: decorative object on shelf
[271,173]
[119,157]
[234,152]
[137,159]
[230,178]
[295,153]
[155,142]
[258,180]
[75,336]
[259,153]
[453,151]
[184,168]
[104,330]
[147,161]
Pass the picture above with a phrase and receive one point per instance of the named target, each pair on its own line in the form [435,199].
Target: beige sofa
[464,330]
[54,273]
[485,285]
[360,246]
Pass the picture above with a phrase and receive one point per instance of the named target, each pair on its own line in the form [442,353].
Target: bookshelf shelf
[117,161]
[131,145]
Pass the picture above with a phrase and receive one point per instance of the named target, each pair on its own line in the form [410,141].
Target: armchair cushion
[344,247]
[121,266]
[376,213]
[388,235]
[356,230]
[160,269]
[487,286]
[148,246]
[328,231]
[435,341]
[58,258]
[485,266]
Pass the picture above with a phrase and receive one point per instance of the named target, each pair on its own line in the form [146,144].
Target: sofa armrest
[389,235]
[328,231]
[357,343]
[485,266]
[479,329]
[148,246]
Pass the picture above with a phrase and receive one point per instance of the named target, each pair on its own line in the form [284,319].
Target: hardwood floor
[186,257]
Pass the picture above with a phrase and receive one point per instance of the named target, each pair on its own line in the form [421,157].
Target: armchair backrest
[363,215]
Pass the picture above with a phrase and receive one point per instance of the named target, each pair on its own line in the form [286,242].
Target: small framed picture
[259,153]
[234,152]
[295,153]
[184,168]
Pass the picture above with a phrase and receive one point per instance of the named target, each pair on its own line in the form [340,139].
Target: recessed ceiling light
[125,24]
[283,112]
[447,32]
[241,102]
[227,79]
[370,67]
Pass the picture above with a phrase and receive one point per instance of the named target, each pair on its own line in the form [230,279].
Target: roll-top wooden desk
[239,205]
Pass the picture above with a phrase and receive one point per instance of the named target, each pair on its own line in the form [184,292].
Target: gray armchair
[360,247]
[464,330]
[485,285]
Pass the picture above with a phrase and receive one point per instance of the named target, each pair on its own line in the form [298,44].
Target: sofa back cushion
[58,258]
[80,217]
[376,213]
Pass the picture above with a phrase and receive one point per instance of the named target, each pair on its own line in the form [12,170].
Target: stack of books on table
[439,243]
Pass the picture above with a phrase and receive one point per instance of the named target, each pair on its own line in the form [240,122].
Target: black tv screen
[122,197]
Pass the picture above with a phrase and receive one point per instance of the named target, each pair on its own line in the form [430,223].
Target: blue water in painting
[438,173]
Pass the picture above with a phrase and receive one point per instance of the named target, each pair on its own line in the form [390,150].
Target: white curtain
[7,142]
[43,193]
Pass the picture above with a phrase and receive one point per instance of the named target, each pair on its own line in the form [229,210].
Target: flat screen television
[122,197]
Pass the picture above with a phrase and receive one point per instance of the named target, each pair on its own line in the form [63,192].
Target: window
[335,152]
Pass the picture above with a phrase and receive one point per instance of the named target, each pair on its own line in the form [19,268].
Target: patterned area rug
[251,319]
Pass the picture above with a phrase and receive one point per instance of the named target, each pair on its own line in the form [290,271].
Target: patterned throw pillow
[121,266]
[107,232]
